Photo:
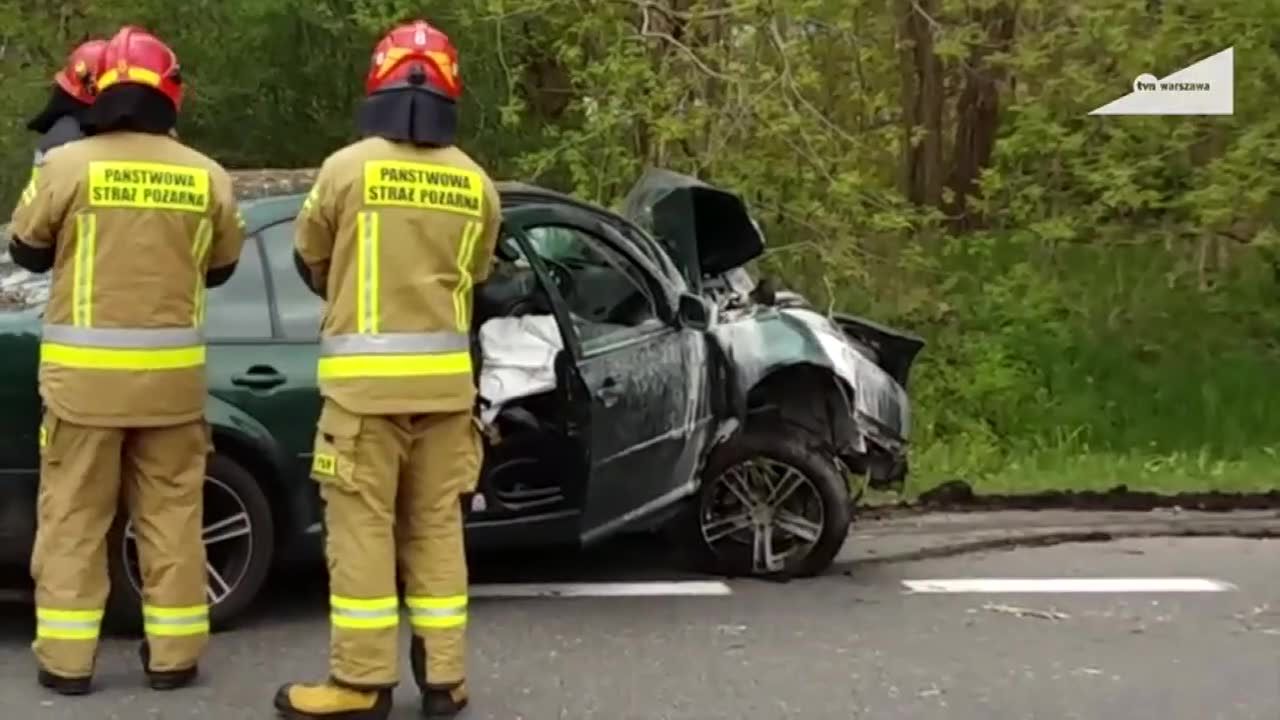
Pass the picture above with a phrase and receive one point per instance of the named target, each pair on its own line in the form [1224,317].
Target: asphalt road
[853,645]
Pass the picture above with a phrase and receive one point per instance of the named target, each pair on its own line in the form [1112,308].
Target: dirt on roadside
[958,496]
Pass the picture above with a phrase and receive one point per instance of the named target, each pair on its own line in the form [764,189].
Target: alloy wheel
[227,534]
[767,505]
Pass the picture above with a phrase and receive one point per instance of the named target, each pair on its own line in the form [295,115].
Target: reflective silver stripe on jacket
[142,338]
[394,344]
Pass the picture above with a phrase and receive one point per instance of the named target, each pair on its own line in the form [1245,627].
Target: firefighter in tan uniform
[74,86]
[396,232]
[134,226]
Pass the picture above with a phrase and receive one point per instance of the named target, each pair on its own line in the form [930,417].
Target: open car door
[638,378]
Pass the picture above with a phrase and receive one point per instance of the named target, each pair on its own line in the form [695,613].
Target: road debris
[1249,621]
[932,691]
[1026,612]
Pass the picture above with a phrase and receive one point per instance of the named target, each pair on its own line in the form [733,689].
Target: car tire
[772,446]
[234,498]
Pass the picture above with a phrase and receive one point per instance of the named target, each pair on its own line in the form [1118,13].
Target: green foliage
[1112,309]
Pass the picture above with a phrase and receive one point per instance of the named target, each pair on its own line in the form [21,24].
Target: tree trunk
[922,100]
[978,116]
[545,83]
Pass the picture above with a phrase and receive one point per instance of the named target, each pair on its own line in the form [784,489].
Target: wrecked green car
[632,374]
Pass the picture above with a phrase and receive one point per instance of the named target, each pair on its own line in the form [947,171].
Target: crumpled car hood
[707,230]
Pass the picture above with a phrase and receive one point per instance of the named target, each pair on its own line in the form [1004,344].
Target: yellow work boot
[332,702]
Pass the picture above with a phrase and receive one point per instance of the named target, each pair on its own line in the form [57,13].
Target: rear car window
[299,308]
[238,309]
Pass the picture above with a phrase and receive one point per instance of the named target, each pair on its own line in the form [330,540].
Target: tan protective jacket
[396,237]
[135,221]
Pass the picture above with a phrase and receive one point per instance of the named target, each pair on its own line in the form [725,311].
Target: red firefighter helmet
[136,56]
[415,54]
[78,78]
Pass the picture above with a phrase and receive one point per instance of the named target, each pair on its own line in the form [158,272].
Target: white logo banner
[1204,88]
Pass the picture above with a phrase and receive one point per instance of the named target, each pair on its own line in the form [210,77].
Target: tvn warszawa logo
[1204,88]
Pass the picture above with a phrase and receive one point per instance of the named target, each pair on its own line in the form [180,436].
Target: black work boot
[63,685]
[165,679]
[418,662]
[444,701]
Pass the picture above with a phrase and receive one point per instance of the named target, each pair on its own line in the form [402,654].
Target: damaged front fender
[803,364]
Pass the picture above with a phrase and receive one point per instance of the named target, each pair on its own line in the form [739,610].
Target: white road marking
[689,588]
[1067,585]
[601,589]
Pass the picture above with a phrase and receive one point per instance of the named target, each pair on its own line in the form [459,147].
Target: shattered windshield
[559,244]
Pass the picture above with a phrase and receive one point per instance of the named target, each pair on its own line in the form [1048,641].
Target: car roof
[277,182]
[269,196]
[261,189]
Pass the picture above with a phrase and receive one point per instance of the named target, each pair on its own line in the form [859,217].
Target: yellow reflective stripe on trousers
[54,624]
[462,293]
[367,237]
[199,251]
[436,613]
[364,614]
[82,272]
[175,621]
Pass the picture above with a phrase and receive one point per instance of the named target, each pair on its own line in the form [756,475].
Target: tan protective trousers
[391,486]
[84,471]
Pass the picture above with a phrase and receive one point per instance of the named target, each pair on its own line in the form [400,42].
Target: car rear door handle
[259,377]
[610,392]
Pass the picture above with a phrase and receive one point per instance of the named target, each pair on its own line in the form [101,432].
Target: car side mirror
[694,312]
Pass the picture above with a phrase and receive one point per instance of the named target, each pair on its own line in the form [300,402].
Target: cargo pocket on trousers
[477,457]
[333,462]
[50,448]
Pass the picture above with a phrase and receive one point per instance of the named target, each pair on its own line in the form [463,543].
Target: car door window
[238,309]
[299,309]
[605,292]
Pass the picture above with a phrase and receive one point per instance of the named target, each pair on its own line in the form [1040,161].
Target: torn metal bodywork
[842,378]
[798,366]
